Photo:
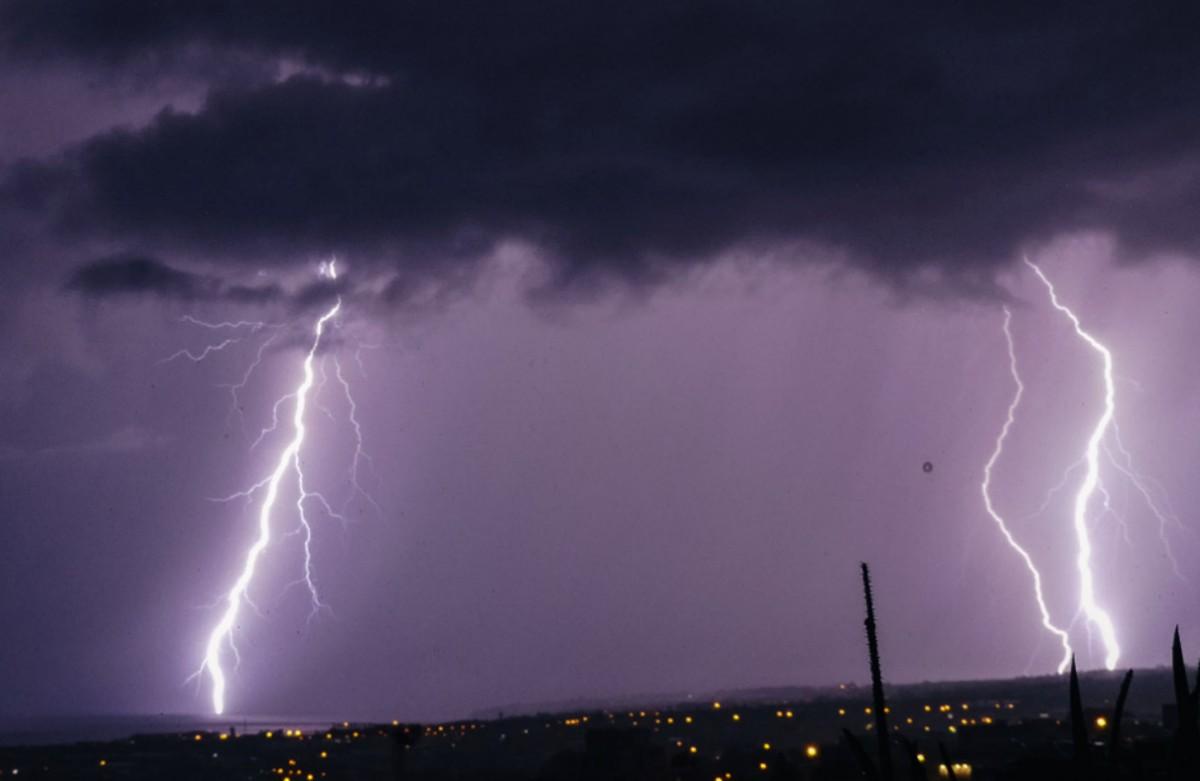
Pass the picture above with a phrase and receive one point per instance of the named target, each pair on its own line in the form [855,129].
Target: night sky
[653,313]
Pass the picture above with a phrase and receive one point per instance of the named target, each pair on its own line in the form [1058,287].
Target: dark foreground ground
[1000,729]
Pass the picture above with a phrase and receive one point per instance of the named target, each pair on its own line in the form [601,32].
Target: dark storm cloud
[628,139]
[133,275]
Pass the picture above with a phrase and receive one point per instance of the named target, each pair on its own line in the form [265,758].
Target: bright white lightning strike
[222,633]
[289,459]
[1096,615]
[985,489]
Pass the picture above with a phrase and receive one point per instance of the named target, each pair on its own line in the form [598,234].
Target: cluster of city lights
[769,735]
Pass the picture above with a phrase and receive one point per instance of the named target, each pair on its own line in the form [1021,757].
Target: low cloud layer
[137,275]
[626,141]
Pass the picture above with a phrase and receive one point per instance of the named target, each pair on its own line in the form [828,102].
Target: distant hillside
[1152,688]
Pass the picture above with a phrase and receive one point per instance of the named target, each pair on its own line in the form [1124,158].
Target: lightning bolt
[360,455]
[288,460]
[1096,615]
[253,325]
[985,489]
[236,388]
[207,351]
[233,325]
[1148,487]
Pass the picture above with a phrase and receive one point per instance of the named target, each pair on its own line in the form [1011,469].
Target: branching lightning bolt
[207,351]
[237,387]
[985,489]
[233,325]
[289,460]
[360,455]
[222,633]
[253,325]
[1148,487]
[1096,615]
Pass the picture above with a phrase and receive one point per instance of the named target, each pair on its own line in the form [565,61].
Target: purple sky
[670,308]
